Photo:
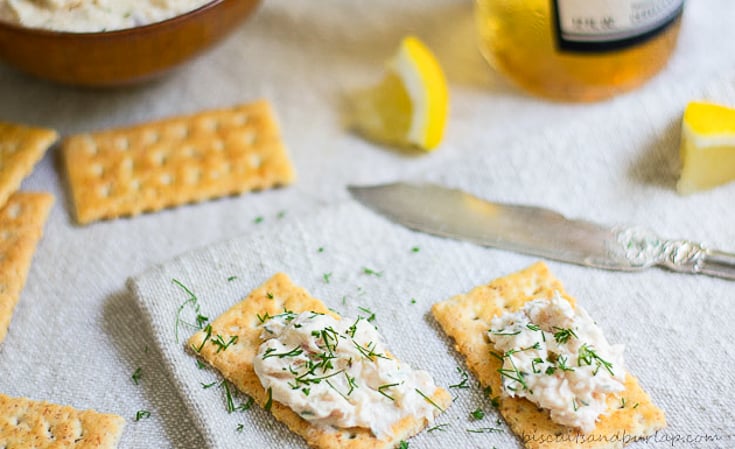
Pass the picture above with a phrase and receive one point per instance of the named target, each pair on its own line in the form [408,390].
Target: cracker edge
[457,315]
[41,140]
[273,296]
[16,278]
[100,430]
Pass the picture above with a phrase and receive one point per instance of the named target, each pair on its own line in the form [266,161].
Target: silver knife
[453,213]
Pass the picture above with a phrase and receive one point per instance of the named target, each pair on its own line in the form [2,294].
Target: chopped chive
[384,387]
[533,327]
[192,299]
[440,427]
[205,386]
[320,249]
[403,444]
[327,277]
[562,335]
[231,278]
[464,379]
[269,402]
[228,397]
[136,376]
[208,334]
[371,316]
[371,272]
[221,344]
[477,414]
[485,430]
[142,414]
[258,220]
[245,405]
[413,300]
[240,427]
[428,399]
[200,364]
[415,249]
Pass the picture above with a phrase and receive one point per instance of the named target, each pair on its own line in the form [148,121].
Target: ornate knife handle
[643,249]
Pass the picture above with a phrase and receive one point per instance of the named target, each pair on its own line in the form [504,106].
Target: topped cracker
[29,424]
[21,147]
[179,160]
[466,319]
[236,364]
[21,226]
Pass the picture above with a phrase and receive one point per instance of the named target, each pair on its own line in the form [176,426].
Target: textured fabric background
[78,335]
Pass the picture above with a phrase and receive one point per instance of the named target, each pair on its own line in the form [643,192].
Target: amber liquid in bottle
[520,38]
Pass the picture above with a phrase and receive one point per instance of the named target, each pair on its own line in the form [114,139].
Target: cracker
[175,161]
[21,226]
[236,365]
[29,424]
[21,147]
[466,318]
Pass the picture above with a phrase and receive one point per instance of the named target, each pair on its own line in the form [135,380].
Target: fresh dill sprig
[142,414]
[137,375]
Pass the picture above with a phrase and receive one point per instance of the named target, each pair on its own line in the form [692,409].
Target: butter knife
[453,213]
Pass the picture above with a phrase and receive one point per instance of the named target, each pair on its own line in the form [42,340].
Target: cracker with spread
[546,365]
[329,379]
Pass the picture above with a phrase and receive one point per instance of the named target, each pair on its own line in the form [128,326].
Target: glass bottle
[578,50]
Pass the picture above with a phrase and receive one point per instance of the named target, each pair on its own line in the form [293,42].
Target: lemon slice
[707,147]
[409,107]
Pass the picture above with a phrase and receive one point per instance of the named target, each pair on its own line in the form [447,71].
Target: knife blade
[537,231]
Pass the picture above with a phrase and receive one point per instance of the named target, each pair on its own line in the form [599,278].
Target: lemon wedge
[707,147]
[409,106]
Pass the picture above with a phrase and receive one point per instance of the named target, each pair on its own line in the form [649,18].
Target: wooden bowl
[113,58]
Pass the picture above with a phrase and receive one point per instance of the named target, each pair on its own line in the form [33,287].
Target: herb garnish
[477,414]
[200,364]
[371,272]
[371,316]
[327,277]
[438,427]
[240,427]
[141,414]
[503,332]
[415,249]
[231,278]
[562,335]
[269,402]
[228,397]
[403,444]
[588,355]
[384,387]
[221,344]
[428,399]
[485,430]
[271,352]
[258,220]
[136,376]
[191,300]
[207,335]
[205,386]
[463,383]
[533,327]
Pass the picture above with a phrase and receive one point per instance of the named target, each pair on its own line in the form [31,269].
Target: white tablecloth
[78,334]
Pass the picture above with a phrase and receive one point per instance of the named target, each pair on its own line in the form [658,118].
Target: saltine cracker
[21,147]
[29,424]
[21,227]
[179,160]
[236,365]
[466,318]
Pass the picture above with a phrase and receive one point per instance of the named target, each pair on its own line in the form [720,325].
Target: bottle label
[601,25]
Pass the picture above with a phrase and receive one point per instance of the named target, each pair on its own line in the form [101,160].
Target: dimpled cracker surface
[21,226]
[466,319]
[236,365]
[175,161]
[20,148]
[28,424]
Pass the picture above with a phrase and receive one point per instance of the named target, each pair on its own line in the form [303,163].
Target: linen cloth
[78,335]
[676,327]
